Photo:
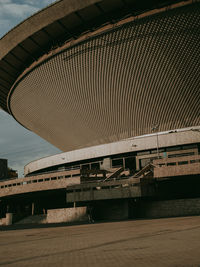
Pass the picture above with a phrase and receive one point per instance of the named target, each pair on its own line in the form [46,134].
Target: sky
[17,144]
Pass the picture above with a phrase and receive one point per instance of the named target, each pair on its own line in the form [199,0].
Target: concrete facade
[96,86]
[134,144]
[129,103]
[49,181]
[177,166]
[78,214]
[170,208]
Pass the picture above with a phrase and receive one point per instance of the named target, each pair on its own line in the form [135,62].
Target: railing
[109,184]
[177,166]
[177,161]
[77,167]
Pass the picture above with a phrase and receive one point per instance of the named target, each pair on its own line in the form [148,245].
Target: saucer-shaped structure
[83,73]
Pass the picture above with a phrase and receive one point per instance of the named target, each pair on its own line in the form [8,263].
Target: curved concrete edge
[40,20]
[177,137]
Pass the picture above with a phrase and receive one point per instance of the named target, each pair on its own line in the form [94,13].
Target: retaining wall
[67,215]
[170,208]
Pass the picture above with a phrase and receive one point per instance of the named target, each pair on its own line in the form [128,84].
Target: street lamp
[155,129]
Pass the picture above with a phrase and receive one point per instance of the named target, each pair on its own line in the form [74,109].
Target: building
[3,169]
[108,82]
[107,69]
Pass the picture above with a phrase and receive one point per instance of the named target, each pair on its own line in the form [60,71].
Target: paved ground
[161,242]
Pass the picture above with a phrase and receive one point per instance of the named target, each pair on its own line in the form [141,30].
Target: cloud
[16,10]
[12,12]
[17,144]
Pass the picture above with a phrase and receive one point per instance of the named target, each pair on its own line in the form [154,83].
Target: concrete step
[33,219]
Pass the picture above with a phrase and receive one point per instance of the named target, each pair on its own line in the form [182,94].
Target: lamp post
[155,129]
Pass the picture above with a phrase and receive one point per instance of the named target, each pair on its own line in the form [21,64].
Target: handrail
[167,161]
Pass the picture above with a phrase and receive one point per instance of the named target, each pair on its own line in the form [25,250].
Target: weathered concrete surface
[99,194]
[77,214]
[182,166]
[2,221]
[8,220]
[170,208]
[67,215]
[163,242]
[47,181]
[181,137]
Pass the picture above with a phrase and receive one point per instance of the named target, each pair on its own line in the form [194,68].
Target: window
[181,155]
[117,162]
[161,164]
[195,161]
[171,164]
[182,162]
[74,175]
[189,146]
[95,166]
[160,150]
[143,153]
[85,167]
[176,148]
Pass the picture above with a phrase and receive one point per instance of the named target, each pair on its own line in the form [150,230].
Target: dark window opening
[95,166]
[181,155]
[117,163]
[182,162]
[171,163]
[85,167]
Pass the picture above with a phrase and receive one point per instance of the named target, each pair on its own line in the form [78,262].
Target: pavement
[158,242]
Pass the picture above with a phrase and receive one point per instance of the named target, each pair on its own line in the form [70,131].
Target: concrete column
[33,208]
[9,218]
[8,208]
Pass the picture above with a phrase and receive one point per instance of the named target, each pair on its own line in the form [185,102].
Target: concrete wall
[191,166]
[145,142]
[113,193]
[111,210]
[2,221]
[42,182]
[7,220]
[169,208]
[67,215]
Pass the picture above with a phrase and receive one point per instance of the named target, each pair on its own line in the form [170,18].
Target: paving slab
[158,242]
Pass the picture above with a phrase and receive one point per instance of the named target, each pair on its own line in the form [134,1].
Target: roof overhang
[61,22]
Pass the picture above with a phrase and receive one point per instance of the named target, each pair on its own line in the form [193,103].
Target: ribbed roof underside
[118,84]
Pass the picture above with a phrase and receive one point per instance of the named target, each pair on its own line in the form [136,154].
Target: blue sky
[17,144]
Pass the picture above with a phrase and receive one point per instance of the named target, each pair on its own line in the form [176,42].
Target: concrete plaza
[158,242]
